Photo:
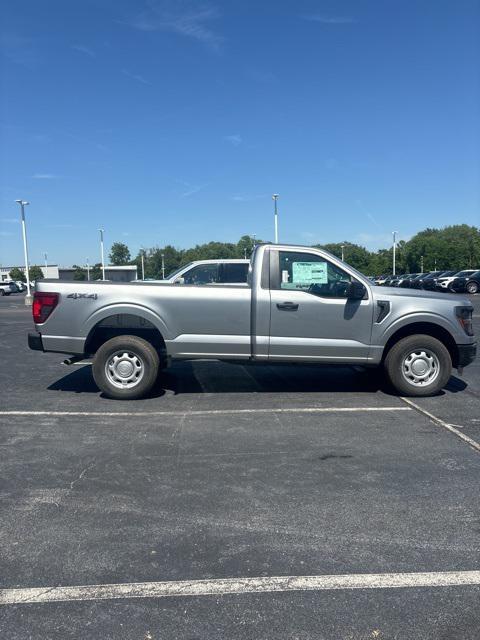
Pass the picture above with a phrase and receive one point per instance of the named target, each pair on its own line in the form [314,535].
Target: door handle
[287,306]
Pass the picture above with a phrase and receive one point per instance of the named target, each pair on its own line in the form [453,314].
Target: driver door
[311,317]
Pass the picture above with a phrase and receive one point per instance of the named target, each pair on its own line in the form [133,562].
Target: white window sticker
[307,273]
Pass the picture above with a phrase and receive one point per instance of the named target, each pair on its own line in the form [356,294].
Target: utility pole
[101,252]
[88,270]
[343,247]
[46,264]
[275,198]
[421,264]
[163,266]
[143,265]
[28,297]
[394,234]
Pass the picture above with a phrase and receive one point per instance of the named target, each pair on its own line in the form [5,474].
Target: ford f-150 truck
[300,304]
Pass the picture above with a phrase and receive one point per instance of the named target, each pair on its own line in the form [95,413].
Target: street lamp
[88,270]
[275,198]
[394,234]
[163,266]
[101,251]
[143,264]
[343,247]
[46,264]
[28,297]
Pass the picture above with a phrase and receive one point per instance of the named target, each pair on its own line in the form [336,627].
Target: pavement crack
[83,472]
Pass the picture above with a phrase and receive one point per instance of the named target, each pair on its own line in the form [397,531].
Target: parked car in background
[417,283]
[6,288]
[430,283]
[444,283]
[380,280]
[408,282]
[229,271]
[21,285]
[470,284]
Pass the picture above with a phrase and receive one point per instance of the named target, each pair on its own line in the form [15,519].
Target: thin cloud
[86,50]
[235,139]
[44,176]
[191,188]
[136,77]
[10,220]
[330,19]
[188,21]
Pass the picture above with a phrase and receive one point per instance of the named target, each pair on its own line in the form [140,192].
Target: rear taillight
[43,305]
[464,315]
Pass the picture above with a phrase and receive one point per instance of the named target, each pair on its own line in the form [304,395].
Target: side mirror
[179,281]
[356,290]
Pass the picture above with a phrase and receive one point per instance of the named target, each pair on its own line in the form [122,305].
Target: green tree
[35,273]
[96,271]
[17,274]
[80,273]
[119,254]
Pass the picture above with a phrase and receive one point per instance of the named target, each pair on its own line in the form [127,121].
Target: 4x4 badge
[75,296]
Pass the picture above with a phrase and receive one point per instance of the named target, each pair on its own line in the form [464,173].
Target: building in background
[125,273]
[49,271]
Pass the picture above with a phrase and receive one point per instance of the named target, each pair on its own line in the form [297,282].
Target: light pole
[28,297]
[421,264]
[343,247]
[275,198]
[163,266]
[394,234]
[143,265]
[101,251]
[88,270]
[46,264]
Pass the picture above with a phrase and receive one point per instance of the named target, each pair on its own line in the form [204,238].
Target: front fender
[383,334]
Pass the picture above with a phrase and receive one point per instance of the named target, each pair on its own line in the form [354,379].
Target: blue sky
[175,121]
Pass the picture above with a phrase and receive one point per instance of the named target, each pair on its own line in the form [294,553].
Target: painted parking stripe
[44,595]
[204,412]
[473,443]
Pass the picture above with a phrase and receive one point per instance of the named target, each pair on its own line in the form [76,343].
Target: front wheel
[472,287]
[125,367]
[418,365]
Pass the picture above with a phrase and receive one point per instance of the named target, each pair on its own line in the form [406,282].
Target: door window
[311,273]
[202,274]
[234,272]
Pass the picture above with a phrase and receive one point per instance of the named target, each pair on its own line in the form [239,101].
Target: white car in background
[229,271]
[443,284]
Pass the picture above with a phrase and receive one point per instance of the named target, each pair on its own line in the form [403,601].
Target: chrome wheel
[421,367]
[472,287]
[124,369]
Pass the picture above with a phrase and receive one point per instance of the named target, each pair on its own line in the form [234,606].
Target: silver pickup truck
[300,304]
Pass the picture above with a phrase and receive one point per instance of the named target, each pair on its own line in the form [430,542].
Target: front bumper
[466,354]
[35,342]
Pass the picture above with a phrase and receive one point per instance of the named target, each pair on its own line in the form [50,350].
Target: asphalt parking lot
[233,475]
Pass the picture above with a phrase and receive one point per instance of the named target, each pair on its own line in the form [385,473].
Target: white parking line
[444,424]
[43,595]
[204,412]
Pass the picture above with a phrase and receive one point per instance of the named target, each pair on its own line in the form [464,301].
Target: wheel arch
[119,323]
[427,328]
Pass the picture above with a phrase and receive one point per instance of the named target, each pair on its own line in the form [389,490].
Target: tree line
[453,247]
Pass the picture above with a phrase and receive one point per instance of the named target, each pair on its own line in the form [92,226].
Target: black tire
[138,353]
[472,287]
[407,352]
[2,292]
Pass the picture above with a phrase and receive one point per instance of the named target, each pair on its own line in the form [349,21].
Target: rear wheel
[126,367]
[472,287]
[418,365]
